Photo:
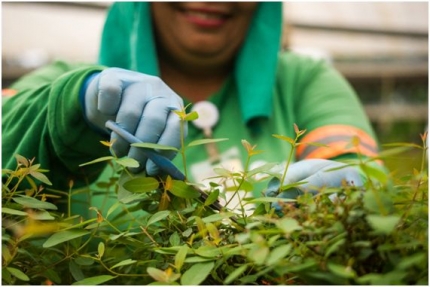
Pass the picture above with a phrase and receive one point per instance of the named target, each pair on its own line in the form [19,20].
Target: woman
[156,55]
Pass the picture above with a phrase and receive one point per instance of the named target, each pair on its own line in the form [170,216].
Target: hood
[128,42]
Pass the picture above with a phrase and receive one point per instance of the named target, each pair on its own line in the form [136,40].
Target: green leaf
[334,247]
[34,167]
[180,257]
[197,273]
[222,171]
[208,251]
[183,190]
[21,160]
[41,177]
[197,259]
[187,232]
[84,261]
[101,249]
[127,162]
[141,184]
[418,259]
[5,252]
[313,144]
[402,144]
[205,141]
[42,215]
[13,211]
[153,146]
[288,225]
[268,199]
[342,271]
[213,232]
[378,202]
[292,185]
[383,224]
[284,138]
[236,273]
[100,159]
[278,253]
[394,277]
[113,207]
[168,250]
[160,215]
[309,264]
[129,198]
[52,275]
[375,173]
[32,202]
[76,271]
[18,274]
[96,280]
[212,197]
[191,116]
[258,254]
[217,217]
[244,185]
[64,236]
[174,239]
[124,263]
[261,169]
[157,274]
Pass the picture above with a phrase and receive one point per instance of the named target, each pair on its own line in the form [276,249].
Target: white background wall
[52,30]
[36,32]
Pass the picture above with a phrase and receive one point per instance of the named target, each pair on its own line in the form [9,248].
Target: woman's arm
[44,120]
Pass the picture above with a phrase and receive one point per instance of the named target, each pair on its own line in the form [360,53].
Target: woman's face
[201,31]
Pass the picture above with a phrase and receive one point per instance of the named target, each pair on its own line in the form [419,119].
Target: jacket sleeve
[328,108]
[44,120]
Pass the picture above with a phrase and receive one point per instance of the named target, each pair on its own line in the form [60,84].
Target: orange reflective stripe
[8,92]
[338,140]
[338,148]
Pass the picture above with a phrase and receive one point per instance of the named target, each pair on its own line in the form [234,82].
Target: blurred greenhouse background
[380,47]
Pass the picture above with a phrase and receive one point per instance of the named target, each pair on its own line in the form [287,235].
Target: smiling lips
[205,18]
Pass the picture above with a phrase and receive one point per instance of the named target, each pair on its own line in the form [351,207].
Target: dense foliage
[378,235]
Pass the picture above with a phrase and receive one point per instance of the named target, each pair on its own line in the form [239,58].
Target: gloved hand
[316,173]
[139,103]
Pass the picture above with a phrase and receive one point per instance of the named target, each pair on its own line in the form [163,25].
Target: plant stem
[290,157]
[13,190]
[149,235]
[182,149]
[236,192]
[116,273]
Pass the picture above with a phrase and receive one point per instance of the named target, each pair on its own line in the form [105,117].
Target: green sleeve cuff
[73,141]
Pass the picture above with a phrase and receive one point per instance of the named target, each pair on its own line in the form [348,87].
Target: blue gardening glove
[139,103]
[316,173]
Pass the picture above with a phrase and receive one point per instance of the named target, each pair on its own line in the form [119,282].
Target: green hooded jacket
[269,92]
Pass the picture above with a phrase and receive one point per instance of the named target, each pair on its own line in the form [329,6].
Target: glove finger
[171,136]
[128,117]
[300,170]
[273,186]
[332,178]
[150,128]
[111,84]
[353,177]
[110,89]
[129,77]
